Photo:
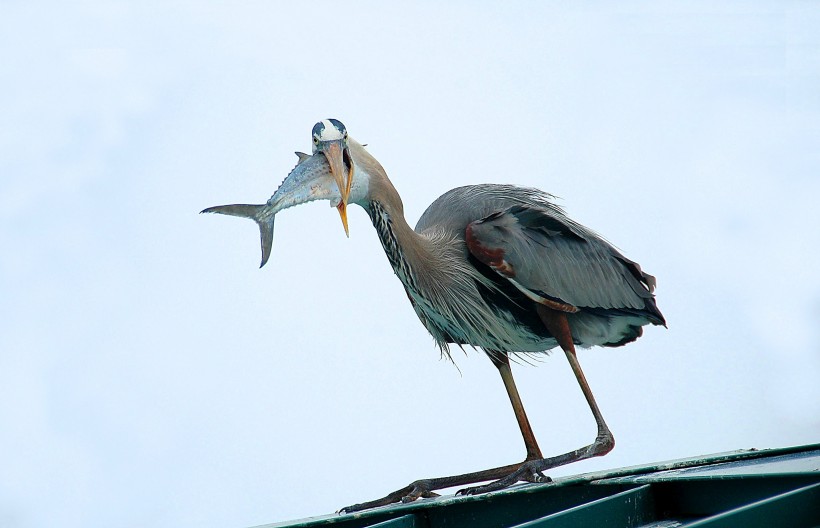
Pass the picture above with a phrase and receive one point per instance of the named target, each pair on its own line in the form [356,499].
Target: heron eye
[315,140]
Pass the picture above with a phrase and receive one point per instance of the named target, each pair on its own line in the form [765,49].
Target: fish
[297,188]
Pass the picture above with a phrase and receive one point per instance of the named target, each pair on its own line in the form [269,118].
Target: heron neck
[403,246]
[408,252]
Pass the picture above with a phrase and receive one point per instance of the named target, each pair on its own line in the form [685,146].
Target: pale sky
[152,375]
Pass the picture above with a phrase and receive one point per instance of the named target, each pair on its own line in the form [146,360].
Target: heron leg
[502,362]
[557,324]
[424,488]
[531,469]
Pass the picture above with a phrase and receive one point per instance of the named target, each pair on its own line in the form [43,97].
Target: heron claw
[419,493]
[537,477]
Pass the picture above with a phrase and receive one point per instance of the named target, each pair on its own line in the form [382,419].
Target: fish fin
[240,210]
[302,157]
[266,237]
[255,213]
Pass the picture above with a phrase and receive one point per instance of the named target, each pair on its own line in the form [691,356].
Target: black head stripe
[318,128]
[338,124]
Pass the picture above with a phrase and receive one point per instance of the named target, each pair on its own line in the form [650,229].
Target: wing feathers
[558,261]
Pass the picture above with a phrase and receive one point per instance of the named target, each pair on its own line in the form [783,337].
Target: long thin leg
[425,487]
[558,325]
[502,362]
[556,322]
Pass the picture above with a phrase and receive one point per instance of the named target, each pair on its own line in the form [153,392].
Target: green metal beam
[405,521]
[796,508]
[754,488]
[627,509]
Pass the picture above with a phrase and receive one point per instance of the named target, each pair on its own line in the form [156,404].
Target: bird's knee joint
[604,443]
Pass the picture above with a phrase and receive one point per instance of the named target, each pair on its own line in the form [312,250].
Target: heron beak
[341,166]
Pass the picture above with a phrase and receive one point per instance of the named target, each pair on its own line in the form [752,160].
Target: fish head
[310,180]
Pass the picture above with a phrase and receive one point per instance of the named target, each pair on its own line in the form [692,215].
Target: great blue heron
[497,267]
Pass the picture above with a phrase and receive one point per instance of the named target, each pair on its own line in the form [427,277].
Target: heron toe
[528,472]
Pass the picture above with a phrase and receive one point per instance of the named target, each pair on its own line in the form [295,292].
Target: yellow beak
[335,157]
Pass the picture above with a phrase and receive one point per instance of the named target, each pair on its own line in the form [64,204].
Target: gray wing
[527,239]
[554,260]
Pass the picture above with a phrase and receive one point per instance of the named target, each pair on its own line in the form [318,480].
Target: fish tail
[255,213]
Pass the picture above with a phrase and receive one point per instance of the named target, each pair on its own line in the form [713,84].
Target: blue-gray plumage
[528,242]
[497,267]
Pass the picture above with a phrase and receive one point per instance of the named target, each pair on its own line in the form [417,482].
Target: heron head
[330,138]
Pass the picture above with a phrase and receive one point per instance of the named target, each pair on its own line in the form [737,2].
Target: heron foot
[532,470]
[529,471]
[423,488]
[419,489]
